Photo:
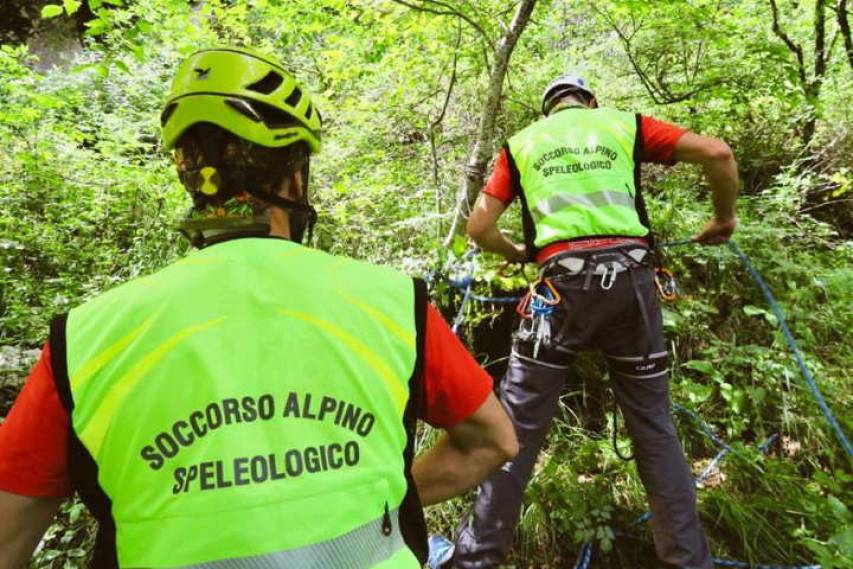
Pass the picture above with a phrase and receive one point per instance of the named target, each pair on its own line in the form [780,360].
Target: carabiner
[666,284]
[555,297]
[523,306]
[608,277]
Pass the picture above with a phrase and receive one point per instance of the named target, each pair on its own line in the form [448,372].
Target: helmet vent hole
[244,108]
[309,114]
[167,113]
[270,82]
[273,117]
[294,97]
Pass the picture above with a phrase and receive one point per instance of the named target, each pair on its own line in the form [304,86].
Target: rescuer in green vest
[255,403]
[576,173]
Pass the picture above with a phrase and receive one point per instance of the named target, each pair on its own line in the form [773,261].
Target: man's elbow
[718,151]
[474,229]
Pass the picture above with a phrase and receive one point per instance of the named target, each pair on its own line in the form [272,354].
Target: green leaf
[838,508]
[459,245]
[751,310]
[71,6]
[96,27]
[701,366]
[51,11]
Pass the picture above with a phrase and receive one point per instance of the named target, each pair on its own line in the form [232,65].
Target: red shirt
[34,438]
[658,140]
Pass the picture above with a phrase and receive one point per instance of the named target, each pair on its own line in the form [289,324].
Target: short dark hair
[239,163]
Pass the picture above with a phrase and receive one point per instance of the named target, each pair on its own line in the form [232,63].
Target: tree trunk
[812,88]
[478,158]
[844,26]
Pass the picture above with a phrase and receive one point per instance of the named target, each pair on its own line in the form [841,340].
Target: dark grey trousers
[610,320]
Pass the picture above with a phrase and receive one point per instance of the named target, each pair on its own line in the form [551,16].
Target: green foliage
[88,199]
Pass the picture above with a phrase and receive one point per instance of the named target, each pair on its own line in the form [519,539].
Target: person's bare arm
[23,521]
[465,455]
[483,229]
[720,168]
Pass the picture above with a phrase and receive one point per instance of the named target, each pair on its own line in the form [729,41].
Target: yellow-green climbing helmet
[243,92]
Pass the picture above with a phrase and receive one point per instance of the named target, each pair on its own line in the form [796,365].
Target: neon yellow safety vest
[578,176]
[252,404]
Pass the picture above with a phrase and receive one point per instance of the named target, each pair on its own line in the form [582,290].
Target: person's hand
[717,232]
[519,256]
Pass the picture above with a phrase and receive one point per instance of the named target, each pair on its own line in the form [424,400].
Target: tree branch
[447,10]
[794,47]
[452,81]
[820,44]
[435,124]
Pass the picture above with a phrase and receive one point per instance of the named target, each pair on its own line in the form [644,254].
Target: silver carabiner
[608,277]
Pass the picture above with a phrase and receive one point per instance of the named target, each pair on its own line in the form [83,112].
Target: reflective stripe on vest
[577,171]
[247,401]
[361,548]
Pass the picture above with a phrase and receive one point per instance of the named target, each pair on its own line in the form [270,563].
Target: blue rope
[678,243]
[466,285]
[745,565]
[584,560]
[795,349]
[466,282]
[496,299]
[703,426]
[585,557]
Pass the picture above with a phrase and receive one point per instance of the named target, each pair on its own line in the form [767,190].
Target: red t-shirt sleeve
[454,383]
[659,140]
[500,183]
[34,439]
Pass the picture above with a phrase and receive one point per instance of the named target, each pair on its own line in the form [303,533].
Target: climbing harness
[667,287]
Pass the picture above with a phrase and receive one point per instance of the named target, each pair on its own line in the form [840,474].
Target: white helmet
[562,86]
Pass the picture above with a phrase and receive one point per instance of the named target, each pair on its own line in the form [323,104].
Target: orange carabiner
[556,298]
[665,282]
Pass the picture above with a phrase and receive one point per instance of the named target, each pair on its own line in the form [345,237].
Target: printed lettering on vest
[244,470]
[239,471]
[576,172]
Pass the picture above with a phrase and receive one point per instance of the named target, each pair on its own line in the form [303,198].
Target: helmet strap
[303,216]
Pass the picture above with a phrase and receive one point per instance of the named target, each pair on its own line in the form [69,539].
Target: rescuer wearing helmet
[576,173]
[254,404]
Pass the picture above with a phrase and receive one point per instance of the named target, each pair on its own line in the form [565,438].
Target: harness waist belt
[595,262]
